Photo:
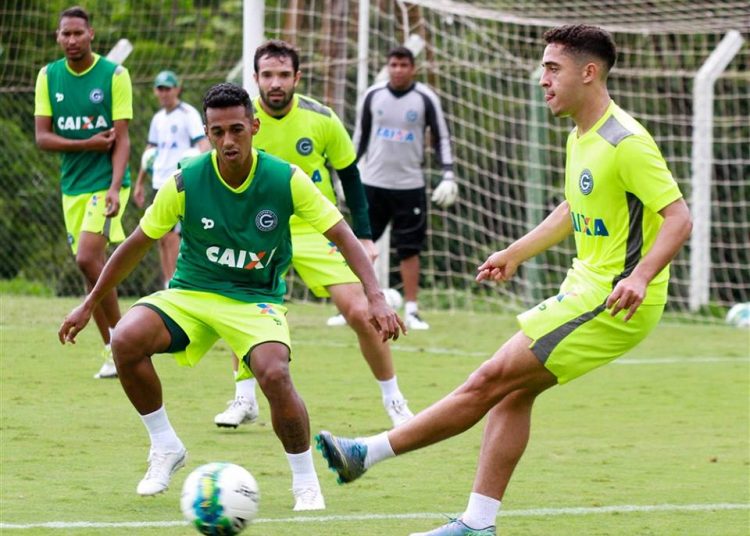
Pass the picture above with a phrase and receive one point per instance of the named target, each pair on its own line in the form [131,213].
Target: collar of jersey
[599,122]
[71,71]
[245,185]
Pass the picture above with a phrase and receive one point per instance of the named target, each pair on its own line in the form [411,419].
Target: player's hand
[370,248]
[102,141]
[446,193]
[628,294]
[74,323]
[384,319]
[499,266]
[139,195]
[112,202]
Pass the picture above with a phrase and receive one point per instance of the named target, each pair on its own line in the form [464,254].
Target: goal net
[481,58]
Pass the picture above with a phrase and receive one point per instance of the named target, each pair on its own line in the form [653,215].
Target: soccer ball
[739,315]
[393,298]
[147,160]
[220,499]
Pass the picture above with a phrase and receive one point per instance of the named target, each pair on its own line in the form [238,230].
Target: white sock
[163,437]
[108,346]
[303,470]
[389,389]
[411,308]
[378,449]
[244,388]
[481,512]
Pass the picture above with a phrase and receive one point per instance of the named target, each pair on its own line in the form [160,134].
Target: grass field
[656,444]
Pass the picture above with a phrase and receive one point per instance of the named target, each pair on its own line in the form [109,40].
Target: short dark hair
[226,95]
[401,52]
[77,12]
[585,39]
[276,48]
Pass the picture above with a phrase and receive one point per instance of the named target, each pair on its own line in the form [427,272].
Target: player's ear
[297,78]
[255,126]
[591,72]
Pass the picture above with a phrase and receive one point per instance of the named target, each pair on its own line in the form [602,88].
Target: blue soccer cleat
[456,527]
[346,457]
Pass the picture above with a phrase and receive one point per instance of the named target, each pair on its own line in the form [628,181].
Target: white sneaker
[241,410]
[308,499]
[336,321]
[161,467]
[398,411]
[108,369]
[413,321]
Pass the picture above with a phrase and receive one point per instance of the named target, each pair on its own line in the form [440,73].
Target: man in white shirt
[390,133]
[175,129]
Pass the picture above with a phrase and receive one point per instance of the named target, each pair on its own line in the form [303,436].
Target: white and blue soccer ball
[393,298]
[739,315]
[220,499]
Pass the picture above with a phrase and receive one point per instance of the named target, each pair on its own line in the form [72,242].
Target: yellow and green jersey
[310,136]
[82,105]
[616,182]
[236,241]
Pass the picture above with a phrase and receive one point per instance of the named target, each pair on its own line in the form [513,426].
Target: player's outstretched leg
[346,457]
[456,527]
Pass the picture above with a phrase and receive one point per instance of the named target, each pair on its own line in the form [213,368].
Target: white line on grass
[667,360]
[532,512]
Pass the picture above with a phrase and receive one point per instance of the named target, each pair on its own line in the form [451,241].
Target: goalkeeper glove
[446,192]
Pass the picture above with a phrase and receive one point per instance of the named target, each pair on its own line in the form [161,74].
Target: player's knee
[90,265]
[273,377]
[357,315]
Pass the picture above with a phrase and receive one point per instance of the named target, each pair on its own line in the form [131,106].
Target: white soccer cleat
[161,467]
[308,499]
[108,368]
[241,410]
[398,410]
[413,321]
[336,321]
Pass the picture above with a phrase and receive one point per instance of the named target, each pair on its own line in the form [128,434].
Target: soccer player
[390,133]
[234,204]
[175,128]
[304,132]
[629,220]
[83,105]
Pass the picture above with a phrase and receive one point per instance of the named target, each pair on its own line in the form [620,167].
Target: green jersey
[82,105]
[310,136]
[616,182]
[236,242]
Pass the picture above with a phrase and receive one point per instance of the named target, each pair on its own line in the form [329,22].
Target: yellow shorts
[206,317]
[319,262]
[573,333]
[85,212]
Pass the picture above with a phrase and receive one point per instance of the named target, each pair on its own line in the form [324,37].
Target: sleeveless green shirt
[236,244]
[81,108]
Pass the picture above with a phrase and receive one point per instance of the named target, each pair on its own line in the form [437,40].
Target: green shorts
[85,212]
[573,333]
[319,262]
[206,317]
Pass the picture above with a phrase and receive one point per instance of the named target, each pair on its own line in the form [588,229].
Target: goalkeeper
[391,133]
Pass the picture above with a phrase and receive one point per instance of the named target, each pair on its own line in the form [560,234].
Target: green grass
[639,432]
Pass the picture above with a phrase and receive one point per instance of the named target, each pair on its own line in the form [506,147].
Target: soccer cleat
[241,410]
[161,467]
[398,411]
[108,368]
[346,457]
[456,527]
[308,499]
[336,321]
[413,321]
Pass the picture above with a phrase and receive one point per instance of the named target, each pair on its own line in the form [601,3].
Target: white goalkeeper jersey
[173,133]
[389,136]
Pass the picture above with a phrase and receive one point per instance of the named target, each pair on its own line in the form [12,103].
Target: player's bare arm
[385,319]
[47,140]
[629,293]
[120,156]
[501,265]
[125,258]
